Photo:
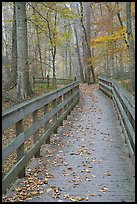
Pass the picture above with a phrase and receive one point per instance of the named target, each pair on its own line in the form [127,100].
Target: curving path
[87,160]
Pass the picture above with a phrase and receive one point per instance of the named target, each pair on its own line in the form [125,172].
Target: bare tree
[131,48]
[14,50]
[23,83]
[87,38]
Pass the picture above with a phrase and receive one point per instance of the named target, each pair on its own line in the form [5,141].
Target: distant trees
[113,28]
[65,39]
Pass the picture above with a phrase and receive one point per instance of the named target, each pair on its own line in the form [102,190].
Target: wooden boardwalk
[87,160]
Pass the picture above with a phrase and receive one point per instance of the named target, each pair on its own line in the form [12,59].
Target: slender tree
[23,83]
[14,49]
[87,38]
[131,48]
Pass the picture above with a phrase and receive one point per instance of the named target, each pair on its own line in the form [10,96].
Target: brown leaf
[106,174]
[86,170]
[103,189]
[18,189]
[69,168]
[46,180]
[87,179]
[39,182]
[92,195]
[66,195]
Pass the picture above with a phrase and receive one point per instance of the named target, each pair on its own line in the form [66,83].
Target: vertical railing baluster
[46,127]
[69,103]
[61,110]
[54,103]
[65,107]
[36,134]
[20,150]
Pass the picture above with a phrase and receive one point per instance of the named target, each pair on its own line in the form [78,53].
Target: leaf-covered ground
[86,161]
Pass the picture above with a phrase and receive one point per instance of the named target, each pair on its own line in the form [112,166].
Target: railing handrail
[62,102]
[126,93]
[22,106]
[125,106]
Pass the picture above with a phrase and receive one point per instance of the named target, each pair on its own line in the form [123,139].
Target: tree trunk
[70,64]
[78,54]
[66,60]
[131,48]
[54,67]
[87,36]
[38,44]
[14,50]
[23,83]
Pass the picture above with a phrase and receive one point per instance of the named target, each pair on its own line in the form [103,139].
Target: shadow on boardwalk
[86,161]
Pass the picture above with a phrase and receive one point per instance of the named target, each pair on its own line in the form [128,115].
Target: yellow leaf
[7,21]
[18,189]
[34,193]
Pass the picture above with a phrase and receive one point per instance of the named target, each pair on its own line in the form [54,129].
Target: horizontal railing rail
[47,80]
[56,106]
[124,103]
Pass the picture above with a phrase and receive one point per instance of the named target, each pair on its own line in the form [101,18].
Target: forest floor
[38,90]
[87,160]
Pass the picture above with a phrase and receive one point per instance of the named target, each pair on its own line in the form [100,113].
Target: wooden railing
[56,106]
[124,103]
[47,80]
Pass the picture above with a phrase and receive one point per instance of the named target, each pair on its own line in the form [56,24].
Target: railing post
[65,107]
[54,103]
[60,112]
[20,150]
[33,81]
[75,78]
[46,109]
[47,81]
[36,134]
[69,95]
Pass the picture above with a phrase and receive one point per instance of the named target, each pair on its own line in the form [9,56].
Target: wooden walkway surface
[87,161]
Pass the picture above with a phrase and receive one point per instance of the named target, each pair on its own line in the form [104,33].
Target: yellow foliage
[109,38]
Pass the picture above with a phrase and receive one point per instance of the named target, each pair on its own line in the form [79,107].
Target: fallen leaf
[92,195]
[48,190]
[28,198]
[123,157]
[72,199]
[69,168]
[46,180]
[39,182]
[34,193]
[87,179]
[103,189]
[94,160]
[106,174]
[66,195]
[53,187]
[18,189]
[85,170]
